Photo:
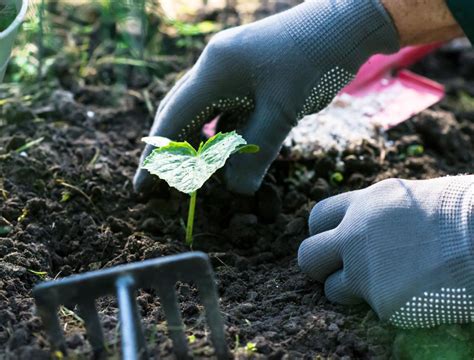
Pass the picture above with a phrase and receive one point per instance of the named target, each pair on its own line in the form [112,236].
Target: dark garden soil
[67,206]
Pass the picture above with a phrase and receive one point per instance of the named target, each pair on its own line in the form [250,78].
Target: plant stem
[42,10]
[190,225]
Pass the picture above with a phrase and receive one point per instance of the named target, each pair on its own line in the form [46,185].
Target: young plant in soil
[7,14]
[187,169]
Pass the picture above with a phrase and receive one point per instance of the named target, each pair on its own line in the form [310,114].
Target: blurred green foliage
[466,101]
[102,41]
[8,13]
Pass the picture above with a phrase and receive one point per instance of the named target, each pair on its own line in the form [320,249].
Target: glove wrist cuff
[456,216]
[344,32]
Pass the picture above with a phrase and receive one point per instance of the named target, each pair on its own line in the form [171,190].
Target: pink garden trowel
[405,93]
[382,95]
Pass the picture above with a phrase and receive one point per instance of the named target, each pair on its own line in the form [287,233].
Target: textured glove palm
[270,74]
[405,247]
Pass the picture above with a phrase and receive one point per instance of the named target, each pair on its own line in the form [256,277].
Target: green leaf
[186,169]
[191,339]
[29,145]
[190,29]
[336,178]
[251,347]
[227,142]
[158,141]
[41,274]
[248,149]
[415,150]
[65,196]
[177,147]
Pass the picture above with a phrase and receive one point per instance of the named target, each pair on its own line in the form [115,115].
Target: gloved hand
[270,74]
[405,247]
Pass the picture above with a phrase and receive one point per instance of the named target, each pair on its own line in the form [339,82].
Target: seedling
[336,178]
[41,274]
[192,339]
[187,169]
[250,347]
[415,150]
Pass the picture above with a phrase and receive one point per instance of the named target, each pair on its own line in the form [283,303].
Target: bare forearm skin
[422,21]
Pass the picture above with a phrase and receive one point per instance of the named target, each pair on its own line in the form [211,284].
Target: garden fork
[123,281]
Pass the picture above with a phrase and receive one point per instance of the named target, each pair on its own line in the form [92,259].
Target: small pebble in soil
[262,345]
[19,338]
[320,190]
[293,200]
[291,327]
[75,341]
[378,334]
[14,143]
[246,308]
[357,181]
[163,207]
[269,202]
[241,220]
[296,226]
[151,225]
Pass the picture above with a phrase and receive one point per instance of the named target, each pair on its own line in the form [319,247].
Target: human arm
[269,74]
[422,21]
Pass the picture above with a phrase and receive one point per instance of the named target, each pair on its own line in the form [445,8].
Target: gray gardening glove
[404,247]
[270,74]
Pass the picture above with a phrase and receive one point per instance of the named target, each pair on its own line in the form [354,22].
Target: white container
[7,37]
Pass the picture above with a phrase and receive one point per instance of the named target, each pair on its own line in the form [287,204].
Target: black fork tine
[133,341]
[169,302]
[88,312]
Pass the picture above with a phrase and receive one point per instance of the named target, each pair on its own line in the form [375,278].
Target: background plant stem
[190,224]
